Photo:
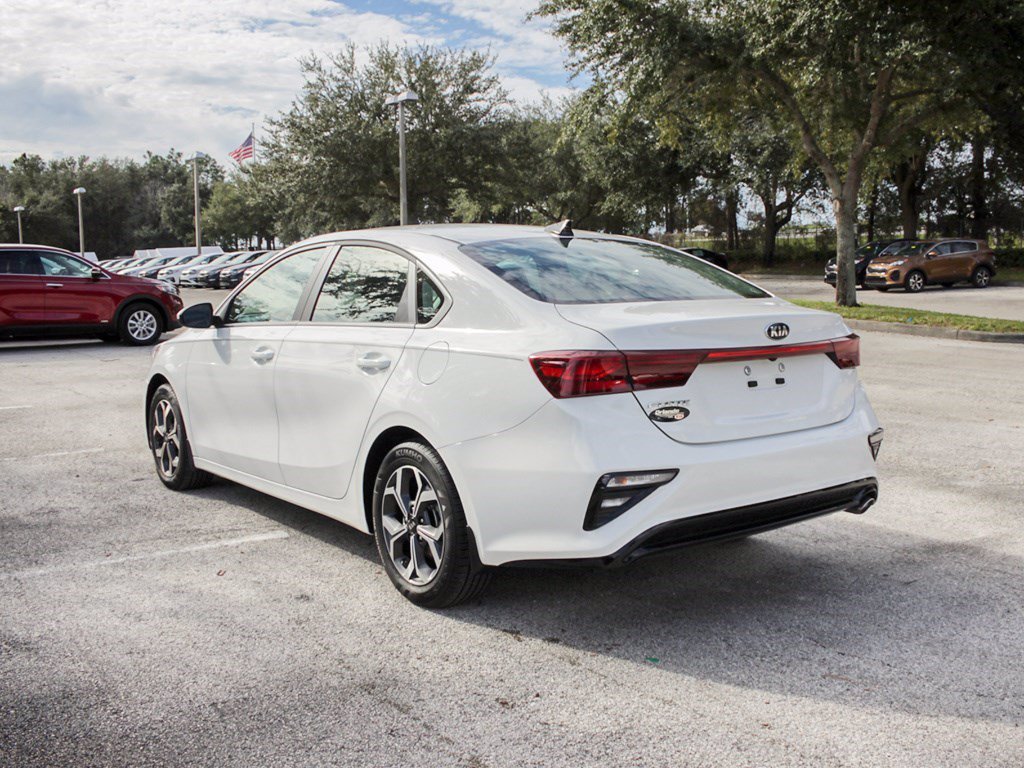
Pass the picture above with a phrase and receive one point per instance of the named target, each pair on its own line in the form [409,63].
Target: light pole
[17,210]
[401,99]
[195,189]
[78,192]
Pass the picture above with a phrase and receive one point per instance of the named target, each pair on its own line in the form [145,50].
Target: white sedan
[482,395]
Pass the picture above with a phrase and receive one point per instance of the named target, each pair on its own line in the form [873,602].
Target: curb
[935,331]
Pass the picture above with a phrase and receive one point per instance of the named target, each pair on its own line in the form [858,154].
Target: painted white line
[52,455]
[256,537]
[14,407]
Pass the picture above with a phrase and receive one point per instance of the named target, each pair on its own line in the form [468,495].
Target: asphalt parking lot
[222,627]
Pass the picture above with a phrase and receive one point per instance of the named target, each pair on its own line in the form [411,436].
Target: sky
[120,77]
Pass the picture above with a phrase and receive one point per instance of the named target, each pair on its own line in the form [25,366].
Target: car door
[22,289]
[938,263]
[962,259]
[230,375]
[333,368]
[73,297]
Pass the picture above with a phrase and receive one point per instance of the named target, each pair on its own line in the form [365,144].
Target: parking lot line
[52,455]
[13,407]
[251,539]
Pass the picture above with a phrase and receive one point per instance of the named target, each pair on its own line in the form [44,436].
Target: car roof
[460,234]
[23,246]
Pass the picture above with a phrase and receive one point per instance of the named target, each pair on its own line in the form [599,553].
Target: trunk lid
[791,392]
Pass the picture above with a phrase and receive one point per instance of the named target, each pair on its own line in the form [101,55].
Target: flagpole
[253,132]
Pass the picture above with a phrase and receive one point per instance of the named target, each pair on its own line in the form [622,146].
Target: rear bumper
[526,490]
[855,497]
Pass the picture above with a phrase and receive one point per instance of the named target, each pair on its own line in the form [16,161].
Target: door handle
[262,354]
[374,361]
[55,285]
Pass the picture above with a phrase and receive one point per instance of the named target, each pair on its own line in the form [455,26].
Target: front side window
[586,270]
[273,296]
[59,265]
[365,285]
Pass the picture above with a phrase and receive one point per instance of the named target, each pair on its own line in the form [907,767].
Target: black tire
[415,468]
[140,324]
[169,445]
[982,277]
[915,281]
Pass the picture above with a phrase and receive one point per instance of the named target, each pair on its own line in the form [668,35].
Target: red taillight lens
[573,374]
[656,370]
[846,351]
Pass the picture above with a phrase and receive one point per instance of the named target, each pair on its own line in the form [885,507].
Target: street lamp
[195,189]
[401,99]
[17,210]
[78,192]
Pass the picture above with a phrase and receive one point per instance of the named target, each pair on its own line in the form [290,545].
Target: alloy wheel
[413,523]
[915,281]
[166,438]
[142,325]
[982,277]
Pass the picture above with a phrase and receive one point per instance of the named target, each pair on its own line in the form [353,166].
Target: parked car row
[914,264]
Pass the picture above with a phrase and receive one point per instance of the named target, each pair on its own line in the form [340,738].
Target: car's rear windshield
[587,270]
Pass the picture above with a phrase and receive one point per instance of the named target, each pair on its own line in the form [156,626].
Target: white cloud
[118,77]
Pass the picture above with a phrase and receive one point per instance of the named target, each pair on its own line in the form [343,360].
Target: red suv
[48,291]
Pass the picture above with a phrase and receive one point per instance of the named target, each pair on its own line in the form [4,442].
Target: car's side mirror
[931,255]
[199,316]
[97,273]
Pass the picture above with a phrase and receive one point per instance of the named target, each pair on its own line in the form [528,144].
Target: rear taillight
[579,373]
[573,374]
[846,351]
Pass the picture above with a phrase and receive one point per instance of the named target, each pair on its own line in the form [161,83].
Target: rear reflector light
[875,442]
[617,492]
[580,373]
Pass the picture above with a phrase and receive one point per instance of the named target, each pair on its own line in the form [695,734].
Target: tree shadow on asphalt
[835,609]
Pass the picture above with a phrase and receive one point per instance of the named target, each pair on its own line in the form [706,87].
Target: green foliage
[333,156]
[127,204]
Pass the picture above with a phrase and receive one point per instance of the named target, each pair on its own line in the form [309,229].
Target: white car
[482,395]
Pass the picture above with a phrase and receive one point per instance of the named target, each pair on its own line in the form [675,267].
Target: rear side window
[365,285]
[597,271]
[964,246]
[428,299]
[20,263]
[273,296]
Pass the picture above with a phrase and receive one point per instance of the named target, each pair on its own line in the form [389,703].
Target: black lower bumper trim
[731,523]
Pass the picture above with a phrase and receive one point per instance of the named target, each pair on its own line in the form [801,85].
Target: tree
[333,156]
[849,75]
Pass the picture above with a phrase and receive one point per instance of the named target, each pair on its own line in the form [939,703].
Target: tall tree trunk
[771,234]
[979,197]
[908,176]
[732,233]
[872,210]
[670,216]
[845,208]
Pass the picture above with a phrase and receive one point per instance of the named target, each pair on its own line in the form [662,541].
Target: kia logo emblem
[777,331]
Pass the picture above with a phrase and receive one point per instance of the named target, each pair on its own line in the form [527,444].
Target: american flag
[246,150]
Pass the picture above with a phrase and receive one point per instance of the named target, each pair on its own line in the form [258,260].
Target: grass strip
[905,316]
